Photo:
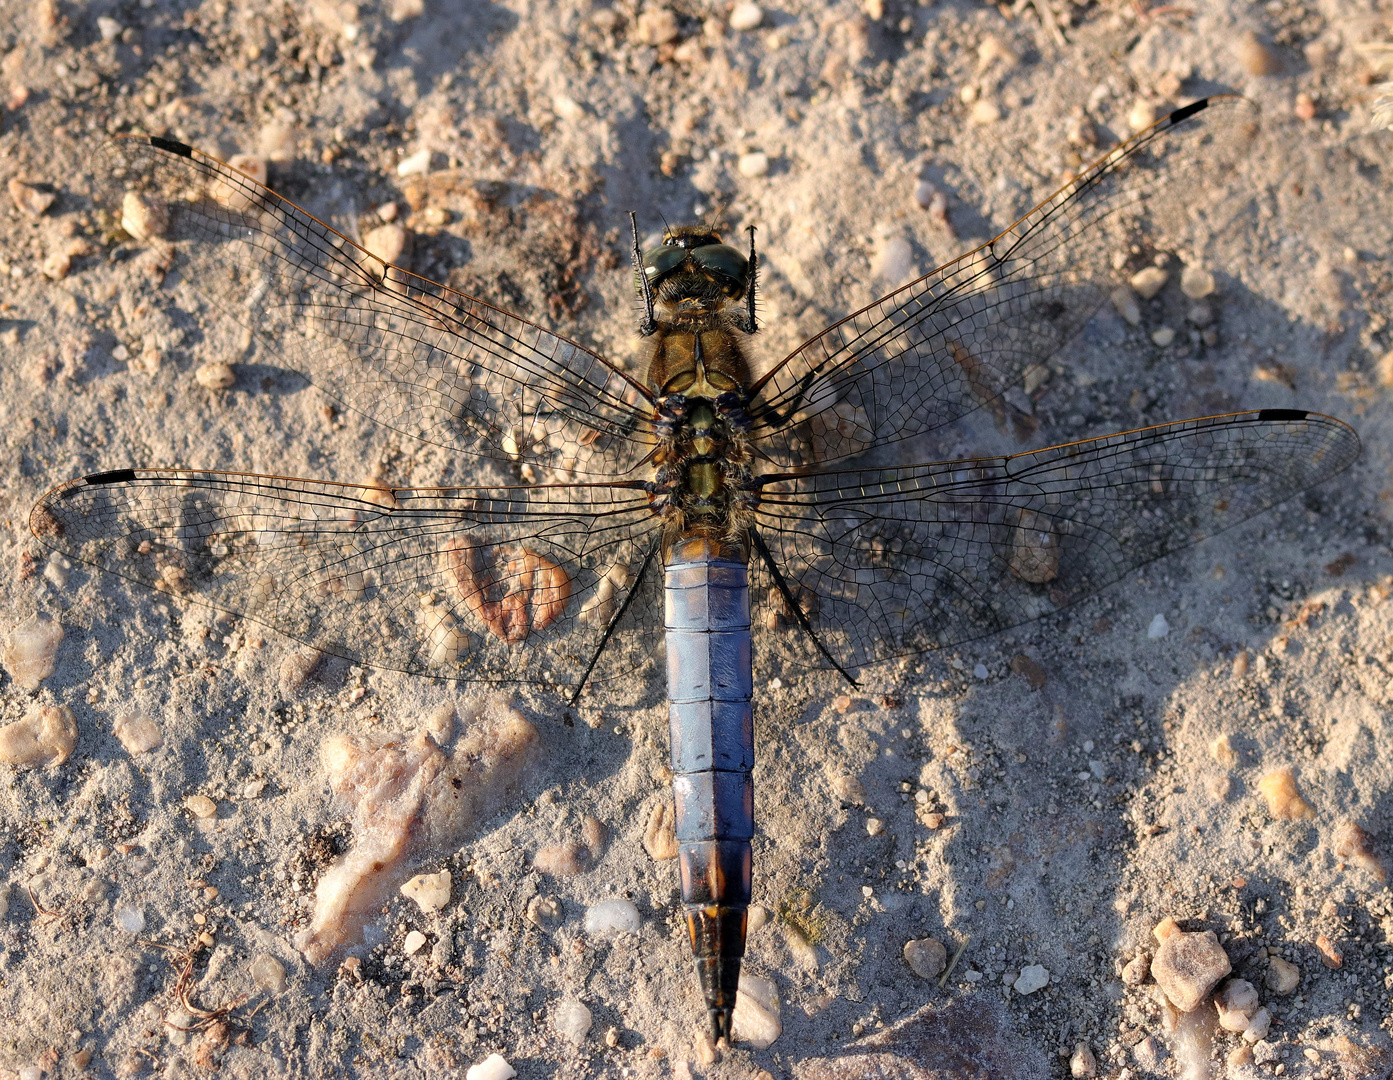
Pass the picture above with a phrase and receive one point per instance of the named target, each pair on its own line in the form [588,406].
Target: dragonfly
[743,512]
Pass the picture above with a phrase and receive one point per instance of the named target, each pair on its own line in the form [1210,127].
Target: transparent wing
[894,561]
[413,355]
[491,584]
[953,340]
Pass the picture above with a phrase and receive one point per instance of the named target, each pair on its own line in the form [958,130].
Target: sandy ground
[1082,795]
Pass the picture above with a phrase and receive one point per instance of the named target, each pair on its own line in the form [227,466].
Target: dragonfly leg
[750,326]
[649,323]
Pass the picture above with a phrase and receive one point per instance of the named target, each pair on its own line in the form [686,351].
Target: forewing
[490,584]
[888,562]
[955,339]
[413,355]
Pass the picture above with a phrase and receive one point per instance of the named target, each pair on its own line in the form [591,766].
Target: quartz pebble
[1282,976]
[894,261]
[108,28]
[1082,1064]
[390,242]
[142,218]
[45,737]
[129,918]
[1148,281]
[572,1021]
[493,1067]
[1187,966]
[31,649]
[985,112]
[1284,801]
[1222,751]
[1236,1002]
[1256,58]
[430,891]
[413,943]
[200,806]
[1143,114]
[1125,301]
[660,834]
[215,376]
[1158,628]
[136,732]
[657,26]
[745,17]
[1305,107]
[849,790]
[1149,1054]
[30,199]
[756,1020]
[1258,1027]
[611,917]
[752,164]
[1353,843]
[1136,970]
[268,973]
[926,957]
[1162,336]
[1033,977]
[1196,282]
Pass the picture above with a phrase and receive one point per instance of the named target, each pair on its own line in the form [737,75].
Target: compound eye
[723,261]
[663,260]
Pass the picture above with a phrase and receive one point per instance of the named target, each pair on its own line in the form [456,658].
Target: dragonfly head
[693,270]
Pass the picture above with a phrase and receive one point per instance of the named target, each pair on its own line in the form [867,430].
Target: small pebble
[981,672]
[1284,801]
[1305,107]
[1199,313]
[1187,966]
[1353,843]
[108,28]
[611,917]
[1148,281]
[894,261]
[1256,58]
[1149,1054]
[129,918]
[493,1067]
[431,892]
[200,806]
[1144,113]
[1125,301]
[926,957]
[1236,1003]
[849,790]
[45,737]
[756,919]
[1222,751]
[413,943]
[571,1020]
[543,912]
[1282,977]
[268,973]
[1196,282]
[745,17]
[1082,1064]
[657,26]
[660,834]
[1258,1027]
[753,164]
[1136,970]
[874,826]
[1330,954]
[991,49]
[559,860]
[30,199]
[985,112]
[1033,977]
[389,242]
[1162,336]
[1159,628]
[417,164]
[32,648]
[137,733]
[756,1019]
[215,376]
[253,788]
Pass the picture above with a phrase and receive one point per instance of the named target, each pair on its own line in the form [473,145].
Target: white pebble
[493,1067]
[753,164]
[1196,282]
[388,242]
[200,806]
[215,376]
[268,973]
[129,918]
[1159,628]
[981,671]
[1148,281]
[1083,1064]
[612,917]
[566,107]
[45,737]
[430,891]
[1143,115]
[756,1020]
[894,261]
[1125,301]
[418,164]
[1163,336]
[745,17]
[414,942]
[572,1021]
[985,112]
[137,732]
[141,217]
[1033,977]
[31,649]
[252,789]
[874,826]
[1258,1026]
[109,28]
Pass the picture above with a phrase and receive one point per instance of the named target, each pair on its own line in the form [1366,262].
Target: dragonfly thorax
[703,482]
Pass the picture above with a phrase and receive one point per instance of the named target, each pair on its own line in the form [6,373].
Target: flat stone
[1188,966]
[1033,977]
